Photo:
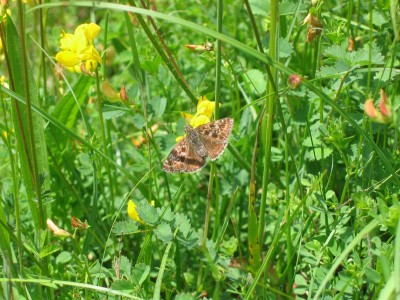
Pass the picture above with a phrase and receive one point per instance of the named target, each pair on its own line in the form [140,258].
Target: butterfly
[207,140]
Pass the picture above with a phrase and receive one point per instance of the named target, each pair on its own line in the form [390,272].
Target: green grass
[303,204]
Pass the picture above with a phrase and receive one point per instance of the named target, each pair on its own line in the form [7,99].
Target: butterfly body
[207,140]
[194,139]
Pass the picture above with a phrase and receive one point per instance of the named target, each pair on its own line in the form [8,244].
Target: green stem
[268,116]
[157,287]
[31,142]
[140,78]
[103,134]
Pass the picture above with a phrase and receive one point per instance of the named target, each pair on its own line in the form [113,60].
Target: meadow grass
[303,204]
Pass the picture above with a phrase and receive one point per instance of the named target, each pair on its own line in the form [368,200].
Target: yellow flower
[132,212]
[77,50]
[205,109]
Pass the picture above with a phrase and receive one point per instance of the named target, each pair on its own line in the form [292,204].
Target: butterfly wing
[183,159]
[214,136]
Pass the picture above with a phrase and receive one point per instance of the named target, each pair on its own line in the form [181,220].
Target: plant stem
[268,116]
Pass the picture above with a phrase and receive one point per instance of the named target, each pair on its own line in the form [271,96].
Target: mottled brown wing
[183,159]
[214,136]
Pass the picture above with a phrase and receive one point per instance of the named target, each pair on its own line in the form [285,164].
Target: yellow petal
[81,28]
[78,42]
[66,40]
[133,214]
[89,53]
[187,117]
[92,31]
[67,58]
[198,120]
[205,107]
[89,66]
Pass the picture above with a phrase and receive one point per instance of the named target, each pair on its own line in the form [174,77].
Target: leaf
[63,257]
[285,48]
[259,7]
[163,232]
[317,153]
[289,7]
[147,213]
[123,285]
[139,273]
[66,111]
[356,58]
[336,52]
[257,81]
[378,19]
[190,241]
[86,167]
[20,121]
[166,213]
[158,106]
[125,266]
[125,227]
[183,223]
[111,111]
[138,121]
[49,249]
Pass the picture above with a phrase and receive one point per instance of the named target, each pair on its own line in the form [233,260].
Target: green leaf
[317,153]
[139,121]
[86,167]
[378,19]
[147,213]
[66,111]
[285,48]
[63,257]
[123,285]
[125,266]
[259,7]
[158,106]
[183,223]
[139,273]
[27,137]
[166,213]
[111,111]
[125,227]
[49,249]
[163,232]
[257,81]
[190,241]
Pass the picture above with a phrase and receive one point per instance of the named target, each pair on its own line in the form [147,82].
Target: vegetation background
[304,202]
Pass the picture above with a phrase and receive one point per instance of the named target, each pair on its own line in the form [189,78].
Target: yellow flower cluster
[77,50]
[205,109]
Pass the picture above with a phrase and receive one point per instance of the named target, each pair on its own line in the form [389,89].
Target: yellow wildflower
[132,212]
[77,50]
[205,109]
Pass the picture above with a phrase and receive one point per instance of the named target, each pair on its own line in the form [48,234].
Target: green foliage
[302,204]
